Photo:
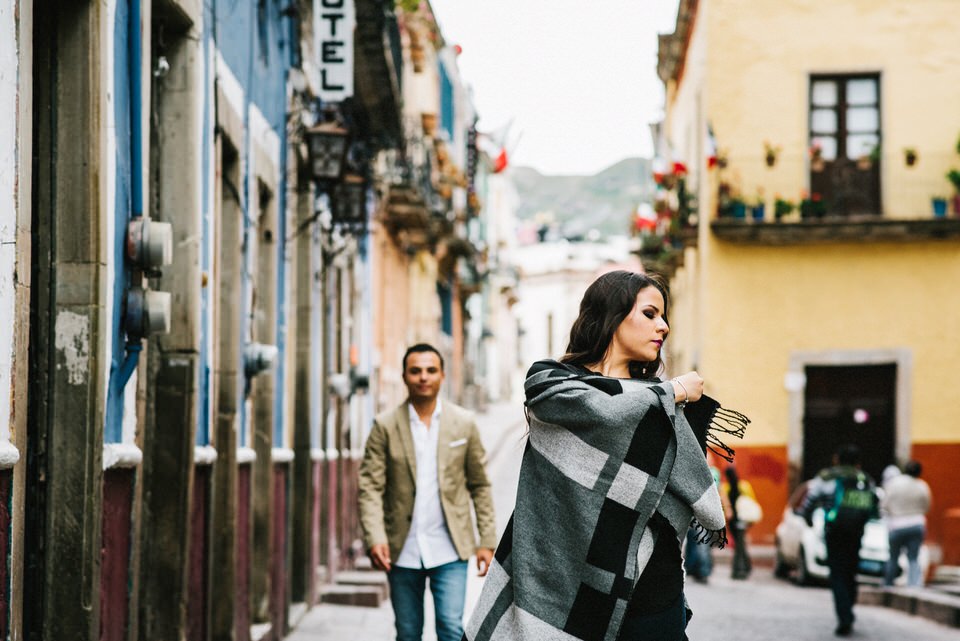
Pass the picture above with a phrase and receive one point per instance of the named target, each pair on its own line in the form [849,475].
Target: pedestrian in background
[697,556]
[849,496]
[905,503]
[889,473]
[422,466]
[742,511]
[611,477]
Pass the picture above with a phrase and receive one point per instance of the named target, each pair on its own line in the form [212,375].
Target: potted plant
[758,207]
[770,153]
[939,206]
[428,121]
[729,202]
[816,156]
[954,177]
[781,208]
[910,156]
[866,161]
[812,206]
[738,207]
[722,159]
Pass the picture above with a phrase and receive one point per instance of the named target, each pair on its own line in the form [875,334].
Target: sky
[577,79]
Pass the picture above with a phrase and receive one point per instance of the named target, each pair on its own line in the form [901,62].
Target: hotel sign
[335,23]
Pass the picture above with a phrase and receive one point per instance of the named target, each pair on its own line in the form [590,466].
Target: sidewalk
[502,427]
[938,601]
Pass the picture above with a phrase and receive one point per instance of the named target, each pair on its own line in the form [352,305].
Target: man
[905,504]
[849,496]
[422,465]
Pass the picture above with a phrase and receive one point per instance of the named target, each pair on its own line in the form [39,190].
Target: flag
[496,146]
[500,163]
[711,148]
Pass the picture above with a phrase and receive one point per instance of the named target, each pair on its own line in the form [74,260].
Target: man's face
[423,376]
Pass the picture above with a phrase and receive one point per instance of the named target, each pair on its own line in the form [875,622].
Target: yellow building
[839,321]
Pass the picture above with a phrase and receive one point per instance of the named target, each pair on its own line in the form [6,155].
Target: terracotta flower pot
[429,123]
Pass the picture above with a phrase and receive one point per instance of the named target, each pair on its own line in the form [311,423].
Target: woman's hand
[687,388]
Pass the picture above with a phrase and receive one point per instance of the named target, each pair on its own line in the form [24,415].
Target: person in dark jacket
[849,496]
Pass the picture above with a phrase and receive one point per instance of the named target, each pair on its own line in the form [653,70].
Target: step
[365,579]
[923,602]
[946,574]
[370,597]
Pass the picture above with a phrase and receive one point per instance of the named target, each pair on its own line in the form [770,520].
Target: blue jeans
[698,559]
[910,538]
[448,584]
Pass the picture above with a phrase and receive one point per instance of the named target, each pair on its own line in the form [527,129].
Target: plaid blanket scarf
[603,455]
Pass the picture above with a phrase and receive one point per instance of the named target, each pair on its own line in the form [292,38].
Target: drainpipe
[149,245]
[134,44]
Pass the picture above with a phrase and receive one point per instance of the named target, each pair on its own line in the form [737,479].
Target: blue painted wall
[122,210]
[446,102]
[253,39]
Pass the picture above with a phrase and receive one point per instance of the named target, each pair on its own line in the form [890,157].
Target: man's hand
[484,557]
[380,556]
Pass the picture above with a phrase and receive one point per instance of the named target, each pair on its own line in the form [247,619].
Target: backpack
[854,503]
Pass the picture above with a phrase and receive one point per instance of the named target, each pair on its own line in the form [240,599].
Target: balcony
[378,72]
[763,201]
[862,229]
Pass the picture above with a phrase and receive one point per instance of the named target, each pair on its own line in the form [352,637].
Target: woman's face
[641,334]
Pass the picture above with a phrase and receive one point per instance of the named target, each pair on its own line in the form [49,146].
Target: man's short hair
[422,347]
[913,468]
[848,454]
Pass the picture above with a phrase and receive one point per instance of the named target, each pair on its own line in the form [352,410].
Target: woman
[905,503]
[612,476]
[738,523]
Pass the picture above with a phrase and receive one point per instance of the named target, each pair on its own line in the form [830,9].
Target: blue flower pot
[739,210]
[939,207]
[757,212]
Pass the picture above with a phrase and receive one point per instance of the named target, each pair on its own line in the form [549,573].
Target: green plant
[770,153]
[782,207]
[409,6]
[954,177]
[813,206]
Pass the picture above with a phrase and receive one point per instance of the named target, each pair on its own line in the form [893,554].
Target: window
[845,137]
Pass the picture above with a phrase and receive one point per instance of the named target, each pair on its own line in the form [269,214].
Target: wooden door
[849,404]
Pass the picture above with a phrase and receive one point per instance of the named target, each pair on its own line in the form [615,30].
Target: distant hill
[603,201]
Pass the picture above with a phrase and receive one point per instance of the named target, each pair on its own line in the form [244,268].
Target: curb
[937,606]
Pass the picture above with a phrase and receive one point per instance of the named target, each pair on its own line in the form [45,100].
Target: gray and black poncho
[603,455]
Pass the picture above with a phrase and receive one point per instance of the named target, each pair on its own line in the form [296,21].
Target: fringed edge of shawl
[713,538]
[725,421]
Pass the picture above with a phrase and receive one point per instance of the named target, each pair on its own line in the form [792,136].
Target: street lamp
[327,144]
[350,204]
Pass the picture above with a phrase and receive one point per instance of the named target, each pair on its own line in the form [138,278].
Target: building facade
[200,326]
[810,264]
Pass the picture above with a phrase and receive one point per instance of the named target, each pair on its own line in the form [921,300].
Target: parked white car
[801,547]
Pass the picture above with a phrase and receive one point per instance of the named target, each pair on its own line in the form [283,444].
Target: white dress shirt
[428,544]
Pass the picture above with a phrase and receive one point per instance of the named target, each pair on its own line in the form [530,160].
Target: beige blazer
[388,476]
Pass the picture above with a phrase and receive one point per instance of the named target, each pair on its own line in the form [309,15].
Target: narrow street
[764,608]
[760,609]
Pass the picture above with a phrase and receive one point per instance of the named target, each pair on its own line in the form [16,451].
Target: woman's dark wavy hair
[605,304]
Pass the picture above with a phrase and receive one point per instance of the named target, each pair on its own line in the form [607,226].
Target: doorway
[849,404]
